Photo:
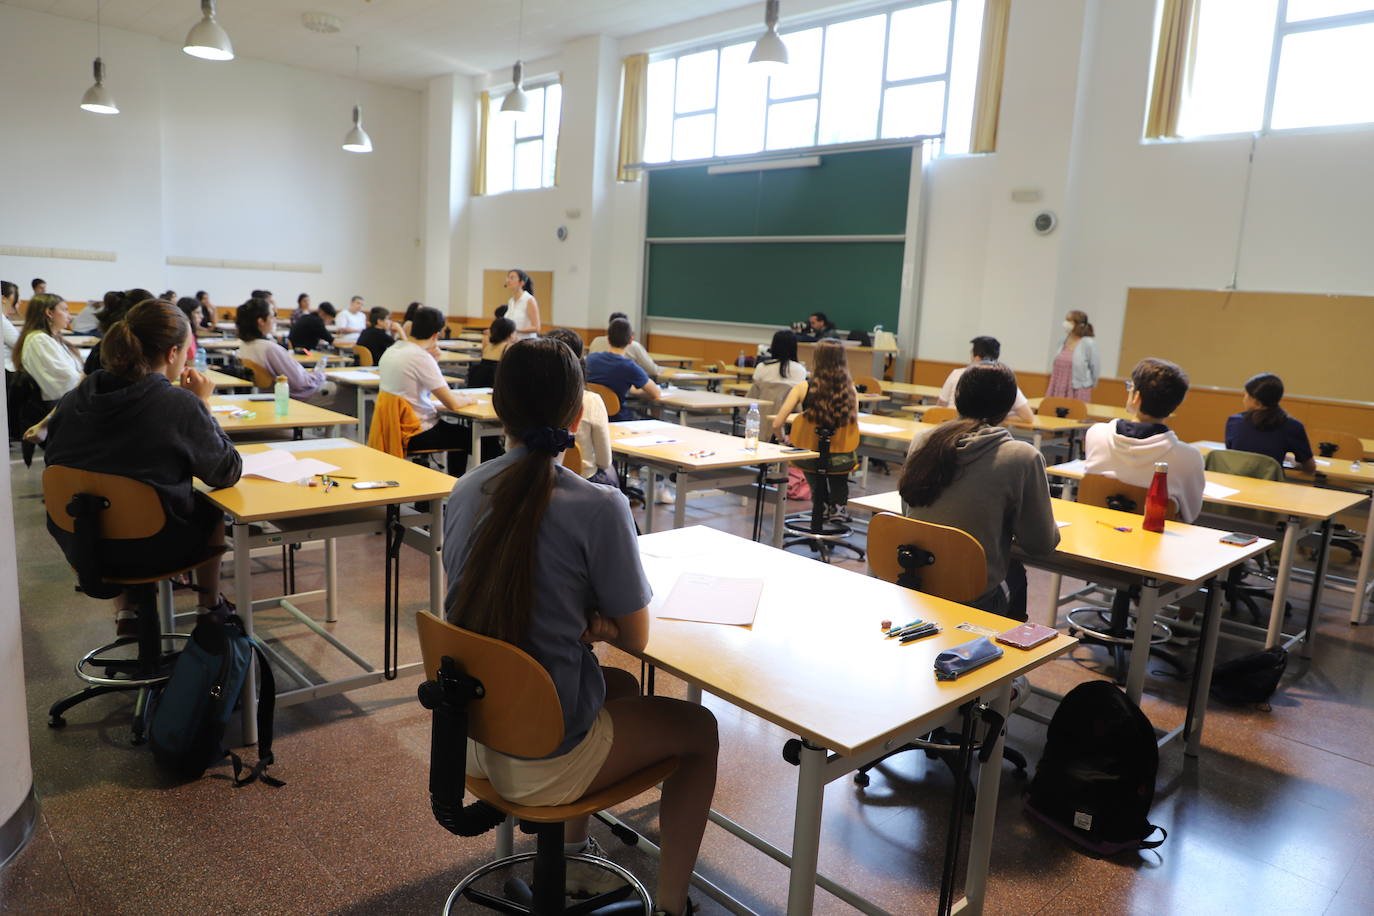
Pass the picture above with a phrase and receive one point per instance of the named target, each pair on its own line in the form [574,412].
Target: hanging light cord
[97,28]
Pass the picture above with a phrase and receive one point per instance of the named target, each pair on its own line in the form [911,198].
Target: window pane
[914,110]
[963,76]
[693,136]
[802,75]
[553,114]
[529,164]
[1325,78]
[500,141]
[1230,76]
[742,103]
[853,79]
[1299,10]
[530,122]
[792,124]
[658,132]
[696,81]
[919,42]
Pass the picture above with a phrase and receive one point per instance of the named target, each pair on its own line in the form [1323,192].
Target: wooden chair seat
[612,795]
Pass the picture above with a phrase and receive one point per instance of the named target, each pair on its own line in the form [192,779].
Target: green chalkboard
[855,283]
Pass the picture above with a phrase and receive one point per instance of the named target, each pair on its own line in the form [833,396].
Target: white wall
[233,161]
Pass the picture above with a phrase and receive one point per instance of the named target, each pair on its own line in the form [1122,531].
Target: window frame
[495,112]
[803,24]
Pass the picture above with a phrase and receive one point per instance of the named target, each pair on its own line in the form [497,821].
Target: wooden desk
[1098,412]
[81,340]
[875,694]
[709,380]
[267,513]
[225,380]
[1166,567]
[865,397]
[702,460]
[220,343]
[670,359]
[908,390]
[453,358]
[1040,427]
[685,403]
[1300,507]
[299,415]
[365,383]
[460,343]
[483,420]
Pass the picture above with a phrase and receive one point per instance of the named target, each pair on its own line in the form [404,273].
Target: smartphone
[1240,540]
[375,484]
[1027,635]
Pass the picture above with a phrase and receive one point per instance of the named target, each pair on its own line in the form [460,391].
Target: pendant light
[769,50]
[516,99]
[207,38]
[357,140]
[97,98]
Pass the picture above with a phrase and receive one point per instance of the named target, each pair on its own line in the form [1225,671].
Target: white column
[449,138]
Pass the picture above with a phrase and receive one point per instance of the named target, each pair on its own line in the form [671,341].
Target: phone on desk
[1027,635]
[1239,540]
[375,484]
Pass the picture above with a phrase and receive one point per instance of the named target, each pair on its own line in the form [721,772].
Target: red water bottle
[1157,500]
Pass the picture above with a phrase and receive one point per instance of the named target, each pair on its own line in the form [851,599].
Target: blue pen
[921,633]
[898,631]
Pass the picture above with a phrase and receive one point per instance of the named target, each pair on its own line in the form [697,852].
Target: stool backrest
[1348,445]
[261,377]
[572,459]
[805,434]
[135,510]
[611,399]
[1073,408]
[519,713]
[939,414]
[959,570]
[363,355]
[868,384]
[1109,493]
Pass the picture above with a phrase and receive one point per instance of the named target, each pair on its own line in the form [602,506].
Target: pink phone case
[1027,635]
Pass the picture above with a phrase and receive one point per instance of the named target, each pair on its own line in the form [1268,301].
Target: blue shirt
[586,558]
[1288,436]
[618,373]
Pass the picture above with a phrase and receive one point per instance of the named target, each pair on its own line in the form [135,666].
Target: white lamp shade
[97,98]
[516,100]
[357,140]
[207,38]
[769,50]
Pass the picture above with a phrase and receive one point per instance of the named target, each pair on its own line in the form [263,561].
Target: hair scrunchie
[546,439]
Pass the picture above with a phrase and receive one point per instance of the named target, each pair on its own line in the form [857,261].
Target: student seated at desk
[829,400]
[408,369]
[972,475]
[379,334]
[985,350]
[495,342]
[307,327]
[352,320]
[618,372]
[781,364]
[1128,449]
[205,312]
[129,419]
[1265,427]
[409,316]
[822,328]
[42,354]
[256,321]
[634,349]
[594,432]
[117,305]
[542,559]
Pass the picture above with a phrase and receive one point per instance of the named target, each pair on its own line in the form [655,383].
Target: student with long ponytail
[543,559]
[129,419]
[1265,428]
[970,474]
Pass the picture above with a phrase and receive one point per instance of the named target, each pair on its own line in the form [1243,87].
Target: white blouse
[55,368]
[518,310]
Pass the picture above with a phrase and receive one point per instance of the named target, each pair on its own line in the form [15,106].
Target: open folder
[283,467]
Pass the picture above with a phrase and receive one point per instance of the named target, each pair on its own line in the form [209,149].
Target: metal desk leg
[1140,649]
[650,498]
[1290,543]
[243,597]
[436,557]
[331,581]
[1202,675]
[680,502]
[1056,582]
[1314,603]
[984,814]
[1038,439]
[779,504]
[1362,578]
[474,448]
[806,831]
[362,413]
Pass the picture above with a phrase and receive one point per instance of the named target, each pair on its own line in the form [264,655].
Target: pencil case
[952,664]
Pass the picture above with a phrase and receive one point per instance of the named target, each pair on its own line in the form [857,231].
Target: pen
[905,625]
[902,631]
[1113,527]
[921,633]
[337,476]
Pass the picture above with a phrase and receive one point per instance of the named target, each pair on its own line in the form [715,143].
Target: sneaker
[837,513]
[585,880]
[665,494]
[221,611]
[691,908]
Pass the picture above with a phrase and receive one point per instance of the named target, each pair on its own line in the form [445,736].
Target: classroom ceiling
[404,42]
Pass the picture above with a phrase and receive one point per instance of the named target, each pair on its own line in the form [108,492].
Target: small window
[522,148]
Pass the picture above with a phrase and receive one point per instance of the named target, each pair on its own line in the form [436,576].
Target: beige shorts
[557,780]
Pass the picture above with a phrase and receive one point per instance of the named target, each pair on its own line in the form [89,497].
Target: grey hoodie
[999,493]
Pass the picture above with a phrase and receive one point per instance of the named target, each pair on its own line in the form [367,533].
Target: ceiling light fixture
[97,98]
[207,38]
[769,51]
[516,99]
[357,140]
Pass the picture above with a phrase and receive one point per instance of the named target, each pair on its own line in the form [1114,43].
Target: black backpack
[1096,779]
[1250,679]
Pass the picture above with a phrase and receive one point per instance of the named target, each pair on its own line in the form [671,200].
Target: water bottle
[281,396]
[202,361]
[751,429]
[1157,499]
[739,360]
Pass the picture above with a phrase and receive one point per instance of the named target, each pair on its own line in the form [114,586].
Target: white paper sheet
[878,428]
[475,390]
[314,445]
[1059,524]
[283,467]
[356,375]
[224,408]
[1217,491]
[643,426]
[713,599]
[644,441]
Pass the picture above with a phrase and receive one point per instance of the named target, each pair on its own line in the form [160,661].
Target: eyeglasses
[1130,386]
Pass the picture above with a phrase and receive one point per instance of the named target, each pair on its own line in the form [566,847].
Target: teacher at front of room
[1076,369]
[522,308]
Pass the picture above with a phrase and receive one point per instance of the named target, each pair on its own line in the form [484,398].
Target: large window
[1276,64]
[522,149]
[907,71]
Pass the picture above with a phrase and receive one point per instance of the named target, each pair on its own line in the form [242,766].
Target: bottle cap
[1161,466]
[281,378]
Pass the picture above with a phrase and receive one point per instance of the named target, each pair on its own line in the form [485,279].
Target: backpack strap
[1152,844]
[267,702]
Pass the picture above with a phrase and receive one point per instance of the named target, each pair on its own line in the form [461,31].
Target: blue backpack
[192,712]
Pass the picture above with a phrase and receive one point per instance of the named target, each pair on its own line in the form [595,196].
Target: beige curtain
[634,101]
[992,58]
[1173,58]
[479,166]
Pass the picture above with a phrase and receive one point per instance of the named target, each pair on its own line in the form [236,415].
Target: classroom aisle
[1275,819]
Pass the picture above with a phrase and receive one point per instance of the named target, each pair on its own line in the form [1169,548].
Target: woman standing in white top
[410,369]
[522,308]
[42,353]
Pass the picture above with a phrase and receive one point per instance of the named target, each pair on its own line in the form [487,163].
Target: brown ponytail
[1081,326]
[538,389]
[134,345]
[985,394]
[1267,389]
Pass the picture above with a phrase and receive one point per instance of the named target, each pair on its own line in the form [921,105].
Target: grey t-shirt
[586,558]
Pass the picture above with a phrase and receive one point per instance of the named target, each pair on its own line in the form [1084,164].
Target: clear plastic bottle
[751,428]
[281,396]
[739,360]
[202,360]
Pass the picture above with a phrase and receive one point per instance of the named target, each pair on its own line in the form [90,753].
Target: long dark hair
[1267,388]
[983,397]
[501,330]
[525,282]
[832,400]
[38,320]
[134,344]
[783,349]
[538,389]
[116,310]
[246,318]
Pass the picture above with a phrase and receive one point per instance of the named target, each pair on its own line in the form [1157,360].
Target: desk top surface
[1329,468]
[1040,423]
[909,390]
[673,358]
[694,449]
[696,399]
[1098,412]
[225,380]
[815,662]
[254,500]
[298,414]
[1183,553]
